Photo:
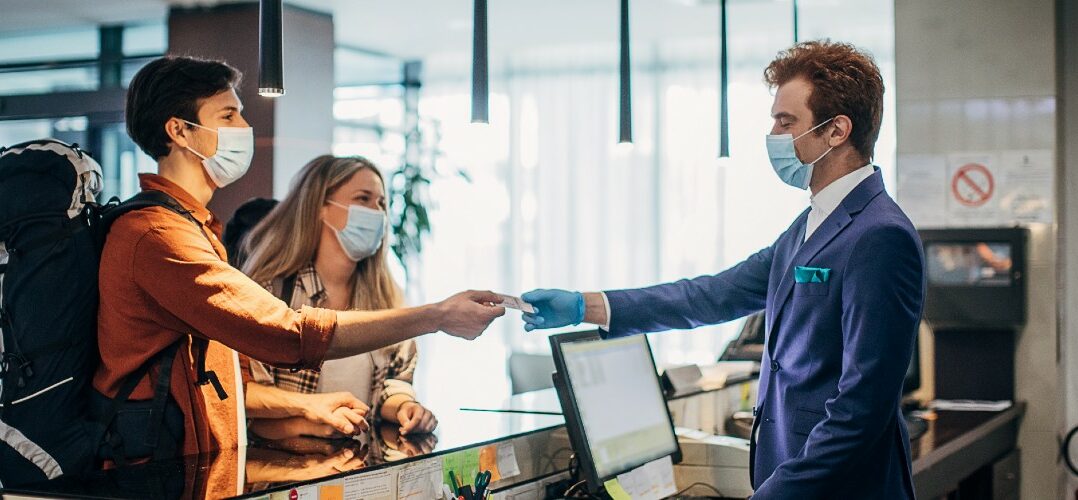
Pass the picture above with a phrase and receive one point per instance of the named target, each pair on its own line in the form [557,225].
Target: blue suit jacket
[828,413]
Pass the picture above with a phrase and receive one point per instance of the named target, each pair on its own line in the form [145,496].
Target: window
[553,201]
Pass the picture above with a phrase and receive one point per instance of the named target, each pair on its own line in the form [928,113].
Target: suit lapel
[831,227]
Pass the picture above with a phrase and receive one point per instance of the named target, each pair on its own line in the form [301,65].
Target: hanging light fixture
[797,37]
[626,104]
[480,75]
[724,85]
[270,43]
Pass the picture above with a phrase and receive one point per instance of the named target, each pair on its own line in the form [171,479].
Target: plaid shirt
[394,366]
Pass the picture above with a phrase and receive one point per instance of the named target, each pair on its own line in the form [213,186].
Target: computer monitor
[976,277]
[749,343]
[613,404]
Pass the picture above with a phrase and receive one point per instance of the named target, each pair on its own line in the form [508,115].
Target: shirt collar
[155,182]
[312,285]
[828,199]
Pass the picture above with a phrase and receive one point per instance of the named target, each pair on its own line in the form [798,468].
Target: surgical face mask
[235,147]
[362,233]
[783,156]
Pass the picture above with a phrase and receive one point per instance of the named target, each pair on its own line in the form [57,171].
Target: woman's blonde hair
[287,239]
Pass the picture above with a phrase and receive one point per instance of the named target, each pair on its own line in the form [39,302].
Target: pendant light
[270,35]
[480,74]
[625,91]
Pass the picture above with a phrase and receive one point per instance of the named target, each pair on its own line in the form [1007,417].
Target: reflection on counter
[524,447]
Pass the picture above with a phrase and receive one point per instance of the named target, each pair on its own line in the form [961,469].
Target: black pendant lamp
[480,75]
[724,85]
[626,103]
[797,37]
[270,36]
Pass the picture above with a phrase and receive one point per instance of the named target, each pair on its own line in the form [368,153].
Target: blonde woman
[325,245]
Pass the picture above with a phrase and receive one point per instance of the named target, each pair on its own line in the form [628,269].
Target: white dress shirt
[828,199]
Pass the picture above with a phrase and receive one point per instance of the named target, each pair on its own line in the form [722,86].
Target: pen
[456,484]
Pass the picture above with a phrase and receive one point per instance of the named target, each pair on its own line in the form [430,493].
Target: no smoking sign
[972,185]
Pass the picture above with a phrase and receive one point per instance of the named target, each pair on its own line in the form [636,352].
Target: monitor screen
[976,264]
[620,403]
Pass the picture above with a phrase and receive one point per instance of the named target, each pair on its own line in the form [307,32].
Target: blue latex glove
[553,309]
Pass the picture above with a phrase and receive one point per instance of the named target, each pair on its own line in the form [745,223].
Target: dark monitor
[613,404]
[749,343]
[976,277]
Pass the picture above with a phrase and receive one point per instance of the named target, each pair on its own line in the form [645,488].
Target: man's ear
[177,132]
[840,132]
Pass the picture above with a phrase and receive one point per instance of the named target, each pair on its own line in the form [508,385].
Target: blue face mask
[783,156]
[362,233]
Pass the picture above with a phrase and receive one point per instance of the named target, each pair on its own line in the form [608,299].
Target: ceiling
[395,28]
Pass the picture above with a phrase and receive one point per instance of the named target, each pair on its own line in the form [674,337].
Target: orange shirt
[162,280]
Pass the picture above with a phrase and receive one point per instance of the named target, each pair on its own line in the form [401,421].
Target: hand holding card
[516,303]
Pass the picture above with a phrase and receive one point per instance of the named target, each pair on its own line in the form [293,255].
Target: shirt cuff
[606,304]
[318,327]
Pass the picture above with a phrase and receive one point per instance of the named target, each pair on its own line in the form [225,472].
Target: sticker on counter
[464,464]
[331,492]
[304,493]
[378,485]
[616,492]
[420,480]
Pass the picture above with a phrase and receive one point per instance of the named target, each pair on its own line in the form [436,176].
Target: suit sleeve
[882,297]
[689,303]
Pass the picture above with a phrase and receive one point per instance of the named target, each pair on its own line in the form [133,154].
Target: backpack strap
[163,360]
[67,228]
[150,198]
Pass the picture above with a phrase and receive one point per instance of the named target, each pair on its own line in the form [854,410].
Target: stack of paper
[969,405]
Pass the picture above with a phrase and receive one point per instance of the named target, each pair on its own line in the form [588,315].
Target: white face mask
[363,232]
[235,147]
[783,156]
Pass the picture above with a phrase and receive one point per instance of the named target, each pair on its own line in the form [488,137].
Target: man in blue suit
[842,288]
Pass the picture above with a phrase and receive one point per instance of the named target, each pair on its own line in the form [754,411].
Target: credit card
[516,303]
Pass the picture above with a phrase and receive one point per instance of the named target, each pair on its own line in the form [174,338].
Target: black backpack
[52,230]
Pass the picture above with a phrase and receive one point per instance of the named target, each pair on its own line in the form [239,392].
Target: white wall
[980,75]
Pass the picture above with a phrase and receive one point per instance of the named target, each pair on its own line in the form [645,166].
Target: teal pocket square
[811,274]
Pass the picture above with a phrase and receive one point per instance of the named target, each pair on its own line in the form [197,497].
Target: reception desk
[525,440]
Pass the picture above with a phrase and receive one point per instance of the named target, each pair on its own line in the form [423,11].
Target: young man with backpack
[173,308]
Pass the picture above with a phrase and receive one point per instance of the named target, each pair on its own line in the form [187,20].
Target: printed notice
[420,480]
[1027,185]
[922,189]
[973,194]
[379,485]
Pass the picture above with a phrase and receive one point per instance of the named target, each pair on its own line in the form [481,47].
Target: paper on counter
[651,481]
[616,491]
[516,303]
[969,405]
[507,460]
[378,485]
[420,480]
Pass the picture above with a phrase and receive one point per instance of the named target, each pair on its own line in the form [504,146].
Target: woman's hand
[339,410]
[284,428]
[415,419]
